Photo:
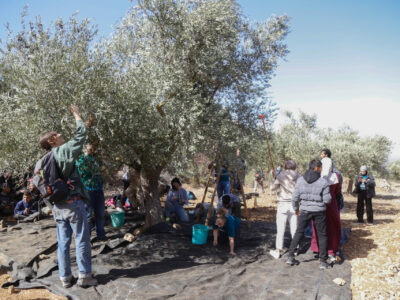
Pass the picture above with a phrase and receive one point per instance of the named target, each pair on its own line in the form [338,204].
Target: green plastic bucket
[117,219]
[199,234]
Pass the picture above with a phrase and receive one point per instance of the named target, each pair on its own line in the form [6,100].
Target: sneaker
[324,265]
[291,261]
[370,223]
[275,254]
[67,282]
[331,258]
[87,282]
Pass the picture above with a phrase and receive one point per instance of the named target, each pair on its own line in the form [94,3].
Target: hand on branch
[75,112]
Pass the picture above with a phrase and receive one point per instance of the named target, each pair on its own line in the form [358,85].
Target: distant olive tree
[394,170]
[301,140]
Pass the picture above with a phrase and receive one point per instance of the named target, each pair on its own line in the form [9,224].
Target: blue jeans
[98,207]
[224,187]
[171,208]
[71,218]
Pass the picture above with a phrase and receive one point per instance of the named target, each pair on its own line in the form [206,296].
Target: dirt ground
[8,294]
[373,251]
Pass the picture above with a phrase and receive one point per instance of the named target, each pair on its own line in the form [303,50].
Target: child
[26,210]
[229,226]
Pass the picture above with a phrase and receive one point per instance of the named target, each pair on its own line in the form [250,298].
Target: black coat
[369,185]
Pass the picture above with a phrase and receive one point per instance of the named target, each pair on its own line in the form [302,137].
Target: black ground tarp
[164,264]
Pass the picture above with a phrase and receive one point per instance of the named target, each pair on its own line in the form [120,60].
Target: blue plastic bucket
[199,234]
[117,219]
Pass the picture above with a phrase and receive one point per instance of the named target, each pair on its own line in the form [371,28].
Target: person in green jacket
[70,215]
[89,167]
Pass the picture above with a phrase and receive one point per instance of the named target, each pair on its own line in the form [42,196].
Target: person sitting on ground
[44,205]
[6,205]
[231,203]
[177,197]
[34,191]
[26,210]
[284,185]
[365,190]
[8,178]
[226,227]
[312,192]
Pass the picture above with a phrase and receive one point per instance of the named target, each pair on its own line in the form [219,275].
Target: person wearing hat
[365,190]
[177,197]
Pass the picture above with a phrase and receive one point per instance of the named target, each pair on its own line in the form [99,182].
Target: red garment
[333,230]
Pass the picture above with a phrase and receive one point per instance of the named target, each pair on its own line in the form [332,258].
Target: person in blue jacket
[26,210]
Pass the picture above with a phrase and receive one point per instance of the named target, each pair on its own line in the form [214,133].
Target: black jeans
[361,198]
[319,219]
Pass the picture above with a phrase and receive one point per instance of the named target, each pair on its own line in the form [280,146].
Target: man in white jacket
[284,185]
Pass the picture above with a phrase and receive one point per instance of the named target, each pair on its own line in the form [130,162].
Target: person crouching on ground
[229,227]
[284,185]
[70,214]
[26,210]
[313,193]
[231,203]
[177,197]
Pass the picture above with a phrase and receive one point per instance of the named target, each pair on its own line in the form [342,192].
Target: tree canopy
[176,78]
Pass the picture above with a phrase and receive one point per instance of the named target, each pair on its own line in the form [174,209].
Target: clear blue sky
[343,53]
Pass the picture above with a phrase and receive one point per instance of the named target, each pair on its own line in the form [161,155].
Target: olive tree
[175,73]
[297,139]
[394,170]
[205,68]
[350,151]
[300,139]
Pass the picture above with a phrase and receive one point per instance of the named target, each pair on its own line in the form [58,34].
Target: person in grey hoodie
[284,185]
[312,191]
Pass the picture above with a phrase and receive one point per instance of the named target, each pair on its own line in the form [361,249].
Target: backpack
[49,181]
